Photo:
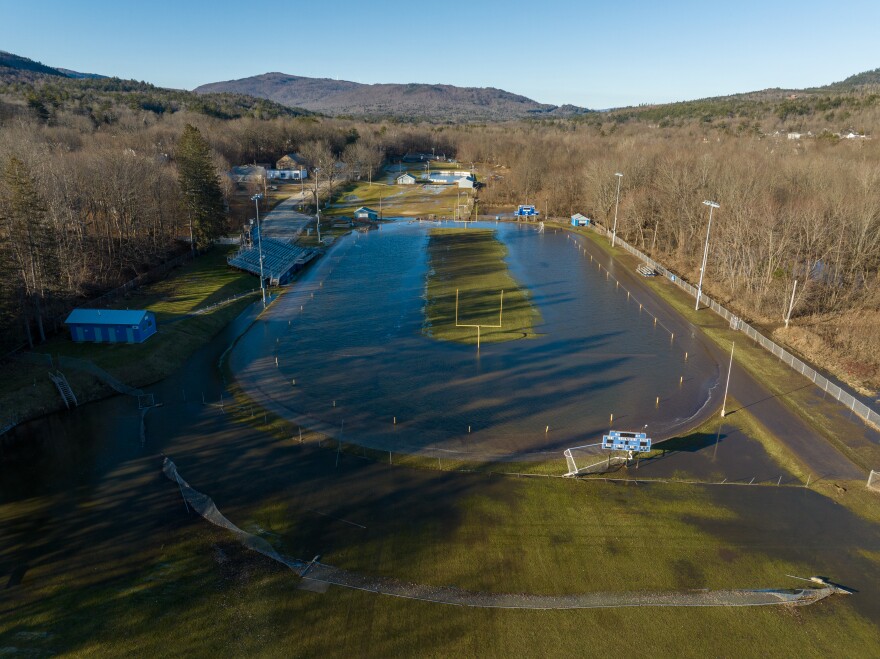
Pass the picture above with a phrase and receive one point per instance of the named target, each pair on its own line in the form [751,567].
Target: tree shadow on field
[771,397]
[691,443]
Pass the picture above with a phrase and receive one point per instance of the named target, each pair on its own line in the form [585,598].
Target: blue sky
[596,55]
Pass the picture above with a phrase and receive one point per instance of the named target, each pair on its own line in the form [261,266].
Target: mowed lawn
[193,589]
[471,262]
[203,282]
[416,200]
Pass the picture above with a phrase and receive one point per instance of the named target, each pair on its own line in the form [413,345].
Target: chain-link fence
[737,323]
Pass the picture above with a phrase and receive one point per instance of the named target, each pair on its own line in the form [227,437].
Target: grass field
[471,261]
[397,200]
[791,388]
[197,285]
[140,576]
[193,590]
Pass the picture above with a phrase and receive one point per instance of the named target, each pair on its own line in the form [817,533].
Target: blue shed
[111,325]
[578,220]
[364,213]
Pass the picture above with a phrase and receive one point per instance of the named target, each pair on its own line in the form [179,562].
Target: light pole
[712,206]
[727,386]
[317,205]
[256,198]
[616,204]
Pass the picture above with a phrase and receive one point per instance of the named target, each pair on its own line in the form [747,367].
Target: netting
[204,506]
[327,574]
[591,459]
[874,481]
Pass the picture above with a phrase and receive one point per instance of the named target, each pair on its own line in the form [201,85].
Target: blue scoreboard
[617,440]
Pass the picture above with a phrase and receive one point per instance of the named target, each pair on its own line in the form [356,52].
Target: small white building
[287,174]
[406,179]
[467,182]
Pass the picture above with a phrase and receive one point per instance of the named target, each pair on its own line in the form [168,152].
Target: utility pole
[256,198]
[727,386]
[616,204]
[712,206]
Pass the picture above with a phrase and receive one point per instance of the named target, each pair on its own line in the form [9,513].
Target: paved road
[819,456]
[284,222]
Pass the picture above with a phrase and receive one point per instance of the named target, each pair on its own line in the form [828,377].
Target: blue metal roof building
[364,213]
[111,325]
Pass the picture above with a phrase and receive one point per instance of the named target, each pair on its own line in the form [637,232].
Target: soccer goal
[874,481]
[591,459]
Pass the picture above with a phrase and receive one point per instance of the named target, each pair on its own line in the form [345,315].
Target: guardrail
[737,323]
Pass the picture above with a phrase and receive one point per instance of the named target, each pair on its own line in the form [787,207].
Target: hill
[410,101]
[850,103]
[33,88]
[22,68]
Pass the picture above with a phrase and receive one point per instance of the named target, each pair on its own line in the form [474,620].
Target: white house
[291,166]
[288,174]
[406,179]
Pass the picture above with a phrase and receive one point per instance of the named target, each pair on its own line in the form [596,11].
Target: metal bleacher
[280,259]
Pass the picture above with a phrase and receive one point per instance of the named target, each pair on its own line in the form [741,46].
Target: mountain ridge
[412,100]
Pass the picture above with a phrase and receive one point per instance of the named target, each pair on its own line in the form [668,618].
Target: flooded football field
[348,353]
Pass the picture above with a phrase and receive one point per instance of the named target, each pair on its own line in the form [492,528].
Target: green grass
[197,285]
[795,391]
[397,200]
[194,590]
[471,261]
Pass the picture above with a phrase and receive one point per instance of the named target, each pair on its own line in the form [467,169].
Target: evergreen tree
[201,195]
[29,244]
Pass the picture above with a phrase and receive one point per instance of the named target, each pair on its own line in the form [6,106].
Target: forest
[93,192]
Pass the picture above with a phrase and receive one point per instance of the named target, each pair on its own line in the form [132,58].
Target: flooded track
[352,356]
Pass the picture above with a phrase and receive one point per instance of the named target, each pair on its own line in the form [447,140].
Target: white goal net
[874,481]
[591,459]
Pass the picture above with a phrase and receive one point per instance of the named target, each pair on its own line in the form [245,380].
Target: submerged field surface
[352,357]
[99,556]
[469,284]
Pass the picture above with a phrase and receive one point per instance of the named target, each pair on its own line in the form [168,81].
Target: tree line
[98,205]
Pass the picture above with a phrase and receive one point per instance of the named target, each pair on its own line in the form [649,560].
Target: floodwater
[80,493]
[72,451]
[352,357]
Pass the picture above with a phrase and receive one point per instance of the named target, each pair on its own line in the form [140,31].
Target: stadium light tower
[256,198]
[616,204]
[712,206]
[318,205]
